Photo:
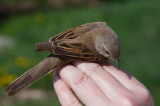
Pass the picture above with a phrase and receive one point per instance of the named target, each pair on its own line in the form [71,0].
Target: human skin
[99,85]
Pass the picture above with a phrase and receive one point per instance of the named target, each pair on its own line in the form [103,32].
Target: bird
[91,42]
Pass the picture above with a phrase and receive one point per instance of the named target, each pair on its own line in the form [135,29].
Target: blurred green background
[24,22]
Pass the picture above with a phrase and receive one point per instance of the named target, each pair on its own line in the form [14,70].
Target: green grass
[136,23]
[45,102]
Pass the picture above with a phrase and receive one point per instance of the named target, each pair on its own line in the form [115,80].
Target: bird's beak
[117,62]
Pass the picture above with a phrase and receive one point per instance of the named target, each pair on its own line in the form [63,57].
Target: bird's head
[108,44]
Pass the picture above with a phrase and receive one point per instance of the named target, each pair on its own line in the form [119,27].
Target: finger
[104,80]
[86,90]
[123,77]
[64,93]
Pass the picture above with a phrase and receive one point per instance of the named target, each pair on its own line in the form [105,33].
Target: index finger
[123,77]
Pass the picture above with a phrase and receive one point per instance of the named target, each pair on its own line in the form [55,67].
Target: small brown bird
[92,42]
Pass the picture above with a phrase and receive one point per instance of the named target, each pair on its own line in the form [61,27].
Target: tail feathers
[43,46]
[17,86]
[34,74]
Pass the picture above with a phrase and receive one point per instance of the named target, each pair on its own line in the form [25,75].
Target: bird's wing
[64,44]
[68,34]
[75,50]
[74,32]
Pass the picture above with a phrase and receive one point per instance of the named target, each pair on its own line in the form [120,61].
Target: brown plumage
[92,42]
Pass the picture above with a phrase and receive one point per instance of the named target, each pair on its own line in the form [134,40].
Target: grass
[48,102]
[136,23]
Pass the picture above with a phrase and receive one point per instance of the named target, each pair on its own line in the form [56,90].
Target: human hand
[99,85]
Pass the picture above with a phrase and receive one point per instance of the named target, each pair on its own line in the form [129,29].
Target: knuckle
[74,102]
[127,101]
[132,99]
[93,68]
[145,94]
[62,90]
[80,80]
